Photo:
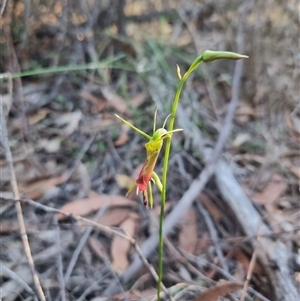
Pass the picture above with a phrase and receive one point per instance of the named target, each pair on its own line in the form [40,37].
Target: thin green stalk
[165,172]
[206,56]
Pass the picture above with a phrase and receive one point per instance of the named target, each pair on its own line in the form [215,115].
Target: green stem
[165,172]
[206,56]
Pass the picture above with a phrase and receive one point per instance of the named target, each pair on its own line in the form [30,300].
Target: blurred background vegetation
[76,63]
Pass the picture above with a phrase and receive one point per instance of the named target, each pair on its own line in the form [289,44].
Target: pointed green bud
[209,55]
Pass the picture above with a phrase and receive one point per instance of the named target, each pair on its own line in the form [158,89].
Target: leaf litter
[57,128]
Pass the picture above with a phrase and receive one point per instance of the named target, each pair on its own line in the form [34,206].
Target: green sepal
[134,128]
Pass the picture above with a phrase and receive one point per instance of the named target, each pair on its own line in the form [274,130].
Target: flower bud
[209,55]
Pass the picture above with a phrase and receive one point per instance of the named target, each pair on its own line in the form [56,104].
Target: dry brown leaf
[123,138]
[295,170]
[98,103]
[38,116]
[97,247]
[271,192]
[120,247]
[114,216]
[245,261]
[50,146]
[188,234]
[210,207]
[94,203]
[114,100]
[125,181]
[138,100]
[68,122]
[39,188]
[83,174]
[203,243]
[293,125]
[134,294]
[240,139]
[213,293]
[244,113]
[11,226]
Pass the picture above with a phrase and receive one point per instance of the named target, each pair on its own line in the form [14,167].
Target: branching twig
[202,261]
[59,264]
[102,228]
[214,235]
[5,143]
[18,279]
[80,246]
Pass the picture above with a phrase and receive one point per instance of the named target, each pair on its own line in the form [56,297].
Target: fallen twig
[214,235]
[13,182]
[6,271]
[250,271]
[60,277]
[102,228]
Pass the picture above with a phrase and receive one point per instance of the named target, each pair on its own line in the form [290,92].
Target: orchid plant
[153,148]
[155,143]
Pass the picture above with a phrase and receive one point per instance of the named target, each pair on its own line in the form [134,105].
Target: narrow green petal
[134,128]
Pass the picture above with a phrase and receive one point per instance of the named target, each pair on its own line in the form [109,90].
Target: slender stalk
[206,56]
[165,172]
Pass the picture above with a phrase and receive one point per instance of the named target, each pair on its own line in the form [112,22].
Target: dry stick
[225,274]
[214,235]
[3,7]
[111,231]
[109,266]
[6,271]
[59,263]
[185,262]
[81,244]
[82,152]
[13,182]
[104,229]
[250,270]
